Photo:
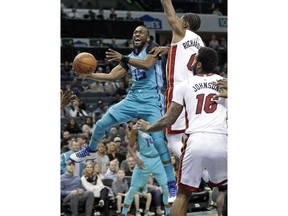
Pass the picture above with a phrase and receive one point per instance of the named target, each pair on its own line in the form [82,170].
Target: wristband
[125,59]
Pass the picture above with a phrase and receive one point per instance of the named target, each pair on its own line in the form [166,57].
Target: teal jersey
[151,79]
[146,145]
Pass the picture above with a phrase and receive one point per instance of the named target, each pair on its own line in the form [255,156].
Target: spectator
[100,110]
[85,85]
[76,111]
[100,15]
[120,188]
[113,43]
[214,43]
[120,147]
[74,14]
[91,15]
[216,10]
[73,191]
[112,170]
[112,15]
[88,125]
[96,86]
[143,193]
[67,74]
[83,140]
[72,126]
[131,166]
[76,87]
[97,170]
[129,15]
[112,134]
[66,136]
[92,182]
[78,169]
[101,158]
[113,153]
[110,87]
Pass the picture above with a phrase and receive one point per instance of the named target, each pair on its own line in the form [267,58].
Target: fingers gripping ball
[84,64]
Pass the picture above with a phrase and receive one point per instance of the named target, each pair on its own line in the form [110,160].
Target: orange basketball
[84,64]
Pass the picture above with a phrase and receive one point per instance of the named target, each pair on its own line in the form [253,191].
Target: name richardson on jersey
[208,85]
[190,43]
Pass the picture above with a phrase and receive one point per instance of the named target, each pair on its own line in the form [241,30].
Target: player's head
[191,21]
[140,36]
[205,61]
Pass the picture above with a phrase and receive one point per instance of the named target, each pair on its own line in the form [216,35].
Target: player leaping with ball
[143,100]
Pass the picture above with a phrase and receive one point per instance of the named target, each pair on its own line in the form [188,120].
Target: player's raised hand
[141,125]
[67,97]
[113,55]
[159,51]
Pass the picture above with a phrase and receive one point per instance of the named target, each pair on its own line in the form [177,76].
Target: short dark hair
[208,58]
[193,20]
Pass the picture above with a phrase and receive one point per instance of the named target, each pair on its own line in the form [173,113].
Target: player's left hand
[139,163]
[113,55]
[67,97]
[142,125]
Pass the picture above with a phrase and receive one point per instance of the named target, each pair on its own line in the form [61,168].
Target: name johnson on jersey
[199,86]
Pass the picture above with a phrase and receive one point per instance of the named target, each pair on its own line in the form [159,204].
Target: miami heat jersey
[203,112]
[178,69]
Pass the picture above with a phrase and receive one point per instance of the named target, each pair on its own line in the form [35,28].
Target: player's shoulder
[150,46]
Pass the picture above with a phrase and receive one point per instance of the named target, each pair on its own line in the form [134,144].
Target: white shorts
[203,151]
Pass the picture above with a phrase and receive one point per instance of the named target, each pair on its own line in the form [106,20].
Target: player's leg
[161,147]
[106,122]
[179,206]
[139,179]
[161,178]
[175,142]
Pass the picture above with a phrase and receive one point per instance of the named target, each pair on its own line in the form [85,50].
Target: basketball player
[184,45]
[143,100]
[149,162]
[206,145]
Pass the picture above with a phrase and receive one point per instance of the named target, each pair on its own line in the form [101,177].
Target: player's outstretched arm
[144,64]
[131,147]
[173,20]
[167,120]
[116,73]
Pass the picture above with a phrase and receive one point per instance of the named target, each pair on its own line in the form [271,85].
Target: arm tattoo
[168,119]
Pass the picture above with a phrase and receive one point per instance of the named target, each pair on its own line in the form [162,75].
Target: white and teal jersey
[146,145]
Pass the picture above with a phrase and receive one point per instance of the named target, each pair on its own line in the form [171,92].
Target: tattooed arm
[167,120]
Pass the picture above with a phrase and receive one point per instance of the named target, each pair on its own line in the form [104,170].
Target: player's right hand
[159,51]
[141,125]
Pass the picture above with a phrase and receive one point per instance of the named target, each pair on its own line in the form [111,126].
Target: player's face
[140,37]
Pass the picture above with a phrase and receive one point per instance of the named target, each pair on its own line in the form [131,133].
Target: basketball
[84,64]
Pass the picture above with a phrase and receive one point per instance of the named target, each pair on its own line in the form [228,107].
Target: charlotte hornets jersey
[146,145]
[151,79]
